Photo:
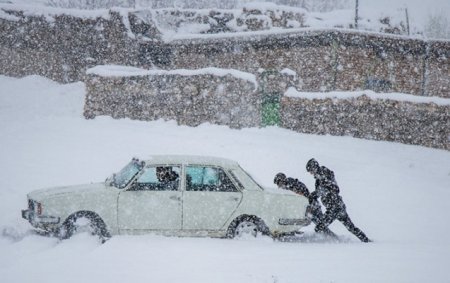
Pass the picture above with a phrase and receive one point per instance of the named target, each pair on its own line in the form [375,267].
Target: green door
[270,109]
[270,106]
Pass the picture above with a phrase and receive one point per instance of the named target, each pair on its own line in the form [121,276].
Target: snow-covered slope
[427,19]
[396,193]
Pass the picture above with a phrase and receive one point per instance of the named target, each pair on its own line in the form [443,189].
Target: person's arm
[329,179]
[300,188]
[297,187]
[317,185]
[330,186]
[313,196]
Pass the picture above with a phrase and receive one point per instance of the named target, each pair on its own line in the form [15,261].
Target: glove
[313,197]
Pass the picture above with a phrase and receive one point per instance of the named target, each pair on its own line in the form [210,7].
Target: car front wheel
[84,222]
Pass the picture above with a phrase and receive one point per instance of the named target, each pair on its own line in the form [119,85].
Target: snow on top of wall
[270,6]
[50,12]
[289,72]
[276,32]
[8,17]
[127,71]
[292,92]
[116,71]
[185,24]
[370,20]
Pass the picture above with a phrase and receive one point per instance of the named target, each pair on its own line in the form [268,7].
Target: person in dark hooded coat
[294,185]
[328,192]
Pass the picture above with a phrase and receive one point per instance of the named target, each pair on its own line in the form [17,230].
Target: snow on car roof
[191,159]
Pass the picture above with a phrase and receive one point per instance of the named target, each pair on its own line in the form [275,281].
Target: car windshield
[124,176]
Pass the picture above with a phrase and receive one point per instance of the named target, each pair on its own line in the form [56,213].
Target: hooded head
[280,180]
[312,166]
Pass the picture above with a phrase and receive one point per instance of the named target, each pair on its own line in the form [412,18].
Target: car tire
[84,221]
[247,226]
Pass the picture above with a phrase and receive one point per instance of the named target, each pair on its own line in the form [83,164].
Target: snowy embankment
[397,194]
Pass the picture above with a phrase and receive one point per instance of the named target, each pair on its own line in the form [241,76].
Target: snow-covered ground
[398,194]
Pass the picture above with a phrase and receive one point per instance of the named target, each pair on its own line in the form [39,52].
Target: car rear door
[151,203]
[209,199]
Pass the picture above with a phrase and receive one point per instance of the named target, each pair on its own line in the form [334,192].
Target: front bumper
[39,221]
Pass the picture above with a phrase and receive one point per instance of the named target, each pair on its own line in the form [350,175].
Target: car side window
[208,179]
[158,178]
[236,180]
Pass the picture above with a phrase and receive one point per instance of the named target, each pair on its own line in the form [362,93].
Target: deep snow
[397,194]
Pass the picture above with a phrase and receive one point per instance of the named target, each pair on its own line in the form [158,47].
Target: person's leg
[316,212]
[317,218]
[328,218]
[345,219]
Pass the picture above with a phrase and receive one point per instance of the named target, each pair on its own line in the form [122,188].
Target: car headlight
[39,208]
[35,206]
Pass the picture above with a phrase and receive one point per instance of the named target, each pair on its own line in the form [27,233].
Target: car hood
[68,190]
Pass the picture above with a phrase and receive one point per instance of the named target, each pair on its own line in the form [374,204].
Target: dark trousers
[317,217]
[340,214]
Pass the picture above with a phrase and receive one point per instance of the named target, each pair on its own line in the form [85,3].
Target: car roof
[191,159]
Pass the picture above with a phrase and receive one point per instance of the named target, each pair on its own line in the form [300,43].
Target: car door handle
[233,198]
[177,198]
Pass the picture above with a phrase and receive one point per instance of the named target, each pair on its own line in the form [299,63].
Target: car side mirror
[110,180]
[113,179]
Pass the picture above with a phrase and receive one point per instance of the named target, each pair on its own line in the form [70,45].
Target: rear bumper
[291,221]
[290,226]
[39,221]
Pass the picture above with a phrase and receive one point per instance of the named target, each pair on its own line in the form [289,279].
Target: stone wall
[236,102]
[190,100]
[63,47]
[381,64]
[329,60]
[437,68]
[425,124]
[303,54]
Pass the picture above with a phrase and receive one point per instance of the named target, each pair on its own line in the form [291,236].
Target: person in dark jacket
[298,187]
[168,178]
[327,190]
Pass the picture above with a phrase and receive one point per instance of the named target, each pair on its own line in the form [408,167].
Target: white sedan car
[170,195]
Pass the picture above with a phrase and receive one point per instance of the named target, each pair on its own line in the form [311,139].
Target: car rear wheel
[246,229]
[249,227]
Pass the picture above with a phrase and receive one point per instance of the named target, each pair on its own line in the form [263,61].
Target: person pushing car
[298,187]
[328,192]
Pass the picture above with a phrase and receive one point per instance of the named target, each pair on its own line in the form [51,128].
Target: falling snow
[268,84]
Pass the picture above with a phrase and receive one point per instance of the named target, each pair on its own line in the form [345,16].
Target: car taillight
[308,213]
[39,209]
[30,204]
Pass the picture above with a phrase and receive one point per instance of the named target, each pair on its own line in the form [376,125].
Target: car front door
[209,199]
[152,202]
